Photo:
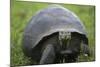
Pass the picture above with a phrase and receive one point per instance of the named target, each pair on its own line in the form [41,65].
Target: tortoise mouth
[66,52]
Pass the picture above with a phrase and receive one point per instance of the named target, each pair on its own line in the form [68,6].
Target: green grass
[21,13]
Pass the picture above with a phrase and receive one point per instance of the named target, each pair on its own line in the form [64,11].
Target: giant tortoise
[55,35]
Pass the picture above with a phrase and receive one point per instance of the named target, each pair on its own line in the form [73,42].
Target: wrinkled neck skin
[64,39]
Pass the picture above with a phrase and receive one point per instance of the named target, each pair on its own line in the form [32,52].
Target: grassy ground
[21,12]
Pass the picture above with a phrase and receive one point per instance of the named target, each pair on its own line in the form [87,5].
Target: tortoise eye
[68,35]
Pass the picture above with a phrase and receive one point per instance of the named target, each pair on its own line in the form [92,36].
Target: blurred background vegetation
[22,12]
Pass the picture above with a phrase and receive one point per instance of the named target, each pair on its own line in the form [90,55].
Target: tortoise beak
[66,52]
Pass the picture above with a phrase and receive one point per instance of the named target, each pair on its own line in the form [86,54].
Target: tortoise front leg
[48,55]
[85,50]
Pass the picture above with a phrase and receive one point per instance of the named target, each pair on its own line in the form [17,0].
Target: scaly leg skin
[48,55]
[85,50]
